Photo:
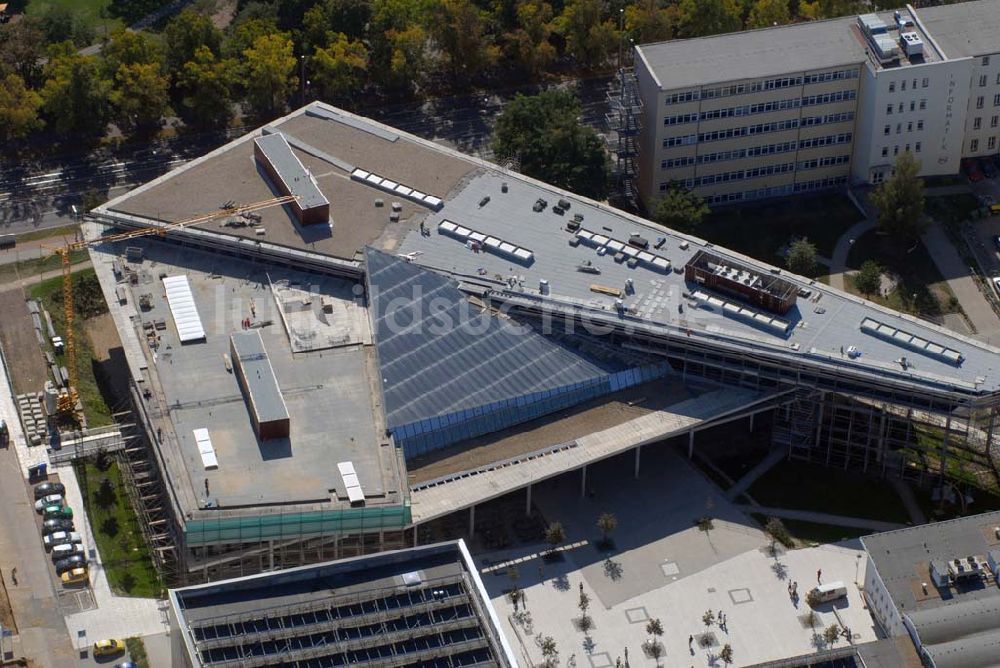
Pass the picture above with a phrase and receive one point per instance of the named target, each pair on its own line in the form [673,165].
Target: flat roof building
[423,606]
[937,583]
[818,105]
[292,178]
[259,385]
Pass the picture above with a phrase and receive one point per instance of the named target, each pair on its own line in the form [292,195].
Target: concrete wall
[879,602]
[984,83]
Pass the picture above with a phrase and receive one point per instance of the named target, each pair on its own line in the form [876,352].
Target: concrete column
[527,502]
[416,541]
[472,521]
[583,481]
[691,444]
[638,454]
[270,555]
[751,422]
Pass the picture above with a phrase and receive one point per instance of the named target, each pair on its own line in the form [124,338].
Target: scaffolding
[624,121]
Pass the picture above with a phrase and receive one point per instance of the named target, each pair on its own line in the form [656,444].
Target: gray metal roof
[262,385]
[964,28]
[439,354]
[963,635]
[782,50]
[295,177]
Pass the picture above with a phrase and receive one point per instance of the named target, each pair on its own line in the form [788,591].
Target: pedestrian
[13,575]
[690,641]
[819,575]
[581,587]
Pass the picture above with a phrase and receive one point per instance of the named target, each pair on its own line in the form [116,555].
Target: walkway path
[960,280]
[909,500]
[838,263]
[823,518]
[750,477]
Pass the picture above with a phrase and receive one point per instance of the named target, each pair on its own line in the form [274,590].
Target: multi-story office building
[817,105]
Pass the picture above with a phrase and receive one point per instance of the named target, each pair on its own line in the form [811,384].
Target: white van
[830,591]
[66,550]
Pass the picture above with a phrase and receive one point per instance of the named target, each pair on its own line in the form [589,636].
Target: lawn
[91,12]
[952,209]
[760,231]
[920,289]
[801,486]
[49,293]
[124,553]
[33,266]
[808,533]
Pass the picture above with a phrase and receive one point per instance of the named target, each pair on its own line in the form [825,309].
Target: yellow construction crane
[68,399]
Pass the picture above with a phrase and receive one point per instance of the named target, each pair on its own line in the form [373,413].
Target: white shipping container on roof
[206,449]
[183,309]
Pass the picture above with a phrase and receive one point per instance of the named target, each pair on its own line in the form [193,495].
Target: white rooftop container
[183,309]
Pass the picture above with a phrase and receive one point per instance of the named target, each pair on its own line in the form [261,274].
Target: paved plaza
[665,567]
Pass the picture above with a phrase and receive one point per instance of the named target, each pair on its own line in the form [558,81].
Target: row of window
[980,101]
[754,151]
[727,112]
[827,98]
[830,161]
[777,191]
[842,117]
[918,146]
[977,122]
[757,86]
[892,84]
[899,127]
[991,143]
[889,108]
[743,174]
[983,79]
[759,128]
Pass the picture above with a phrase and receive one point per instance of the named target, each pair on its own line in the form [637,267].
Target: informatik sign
[943,158]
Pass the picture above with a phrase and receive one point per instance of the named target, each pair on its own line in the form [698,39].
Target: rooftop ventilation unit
[871,25]
[886,48]
[912,44]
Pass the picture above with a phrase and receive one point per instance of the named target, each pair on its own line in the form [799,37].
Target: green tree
[22,45]
[708,618]
[398,41]
[584,605]
[529,42]
[131,11]
[268,66]
[726,654]
[775,528]
[590,37]
[242,36]
[129,48]
[606,523]
[555,534]
[766,13]
[141,96]
[335,16]
[680,209]
[61,24]
[550,653]
[459,30]
[339,69]
[545,133]
[206,86]
[18,108]
[802,257]
[831,634]
[654,627]
[183,36]
[708,17]
[75,96]
[868,280]
[900,201]
[649,21]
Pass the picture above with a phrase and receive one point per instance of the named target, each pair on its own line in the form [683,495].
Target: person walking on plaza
[819,575]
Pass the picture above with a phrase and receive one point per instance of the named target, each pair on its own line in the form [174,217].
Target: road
[43,197]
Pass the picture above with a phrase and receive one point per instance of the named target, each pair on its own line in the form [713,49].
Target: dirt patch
[6,613]
[25,360]
[109,357]
[225,12]
[571,424]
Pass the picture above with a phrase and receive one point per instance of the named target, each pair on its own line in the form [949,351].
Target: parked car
[64,550]
[60,537]
[126,664]
[996,285]
[109,647]
[52,526]
[971,169]
[69,563]
[75,576]
[57,513]
[988,168]
[46,488]
[50,500]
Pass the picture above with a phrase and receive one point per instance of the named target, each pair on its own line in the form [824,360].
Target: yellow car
[109,647]
[75,576]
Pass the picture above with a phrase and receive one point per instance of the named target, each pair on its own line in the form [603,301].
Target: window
[991,143]
[998,78]
[914,84]
[902,85]
[916,147]
[887,129]
[977,123]
[885,151]
[925,83]
[907,148]
[986,61]
[892,86]
[996,100]
[913,105]
[888,109]
[899,128]
[982,81]
[974,145]
[920,125]
[979,102]
[923,104]
[993,121]
[909,126]
[900,107]
[895,150]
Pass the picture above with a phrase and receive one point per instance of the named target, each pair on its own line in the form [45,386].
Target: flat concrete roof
[964,28]
[329,393]
[262,384]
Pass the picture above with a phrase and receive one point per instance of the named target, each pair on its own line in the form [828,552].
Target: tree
[545,134]
[654,627]
[708,618]
[131,11]
[584,605]
[775,528]
[18,108]
[726,654]
[529,42]
[680,209]
[698,18]
[549,651]
[831,634]
[900,201]
[590,38]
[242,36]
[61,24]
[398,41]
[555,534]
[140,96]
[206,85]
[649,21]
[868,280]
[268,66]
[606,523]
[459,30]
[22,45]
[185,34]
[129,48]
[75,96]
[766,13]
[339,68]
[802,257]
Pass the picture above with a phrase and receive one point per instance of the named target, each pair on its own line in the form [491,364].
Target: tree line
[349,50]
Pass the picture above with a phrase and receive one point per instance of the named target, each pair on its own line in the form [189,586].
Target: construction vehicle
[68,399]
